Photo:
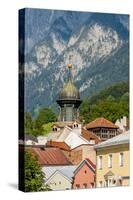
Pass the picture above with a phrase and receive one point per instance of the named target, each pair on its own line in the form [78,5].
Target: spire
[70,67]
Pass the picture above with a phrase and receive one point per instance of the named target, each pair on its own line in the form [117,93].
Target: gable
[84,164]
[58,176]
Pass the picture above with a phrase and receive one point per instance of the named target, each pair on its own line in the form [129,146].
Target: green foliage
[125,96]
[28,123]
[115,91]
[47,128]
[41,125]
[111,103]
[44,116]
[34,177]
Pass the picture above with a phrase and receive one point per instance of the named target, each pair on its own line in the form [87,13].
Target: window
[100,162]
[110,161]
[114,182]
[85,185]
[92,141]
[100,184]
[106,183]
[59,182]
[77,186]
[121,159]
[85,171]
[54,129]
[92,185]
[110,182]
[69,113]
[120,182]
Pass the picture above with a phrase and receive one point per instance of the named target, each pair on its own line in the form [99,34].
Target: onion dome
[69,91]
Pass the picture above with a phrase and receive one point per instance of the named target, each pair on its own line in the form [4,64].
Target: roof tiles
[90,135]
[49,156]
[61,145]
[101,123]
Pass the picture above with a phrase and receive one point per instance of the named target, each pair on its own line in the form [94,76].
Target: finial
[70,64]
[70,67]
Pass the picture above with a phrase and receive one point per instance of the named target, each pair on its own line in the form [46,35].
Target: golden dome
[69,91]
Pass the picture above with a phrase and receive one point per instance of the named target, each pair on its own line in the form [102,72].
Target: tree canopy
[42,124]
[44,116]
[34,177]
[111,103]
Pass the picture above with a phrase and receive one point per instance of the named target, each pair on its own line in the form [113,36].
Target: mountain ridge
[92,46]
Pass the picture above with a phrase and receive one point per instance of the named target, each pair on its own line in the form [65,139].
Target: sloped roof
[61,145]
[49,156]
[90,164]
[65,170]
[53,135]
[66,131]
[109,173]
[101,122]
[122,138]
[90,135]
[30,137]
[74,140]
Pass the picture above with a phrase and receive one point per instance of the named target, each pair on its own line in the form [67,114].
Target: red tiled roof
[61,145]
[101,122]
[49,156]
[91,163]
[90,135]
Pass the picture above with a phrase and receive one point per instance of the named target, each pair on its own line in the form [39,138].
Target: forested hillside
[111,103]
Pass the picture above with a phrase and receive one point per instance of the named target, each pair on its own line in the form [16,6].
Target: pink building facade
[84,175]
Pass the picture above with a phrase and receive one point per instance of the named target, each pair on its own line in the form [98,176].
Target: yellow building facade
[113,162]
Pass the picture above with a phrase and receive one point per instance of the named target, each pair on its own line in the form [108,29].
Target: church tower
[69,100]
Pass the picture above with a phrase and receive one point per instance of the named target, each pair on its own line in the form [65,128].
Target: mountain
[98,45]
[39,22]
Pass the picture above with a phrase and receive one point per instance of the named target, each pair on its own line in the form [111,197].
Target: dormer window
[55,129]
[75,125]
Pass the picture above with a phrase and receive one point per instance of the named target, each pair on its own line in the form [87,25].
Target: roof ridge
[101,122]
